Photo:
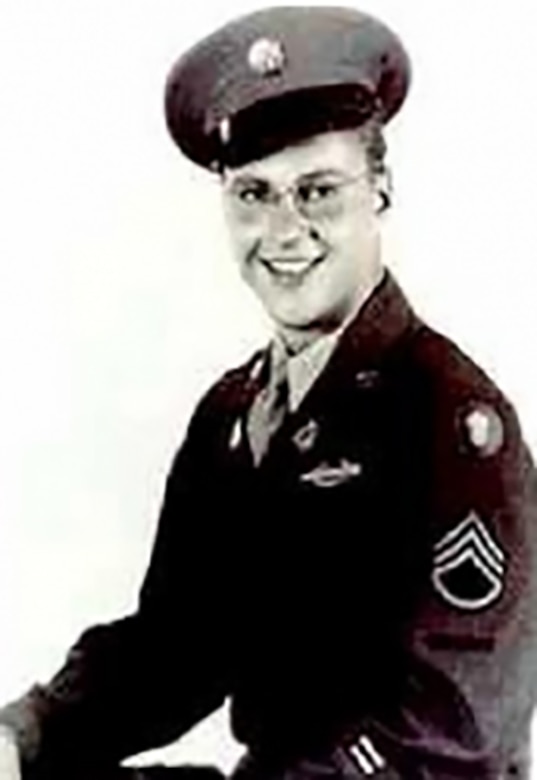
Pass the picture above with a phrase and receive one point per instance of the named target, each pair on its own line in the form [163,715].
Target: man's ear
[383,191]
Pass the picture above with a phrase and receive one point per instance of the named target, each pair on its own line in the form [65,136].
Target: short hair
[372,136]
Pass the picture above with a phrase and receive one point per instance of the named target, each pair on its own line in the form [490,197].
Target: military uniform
[363,586]
[365,595]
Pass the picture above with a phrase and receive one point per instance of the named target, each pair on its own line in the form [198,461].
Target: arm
[464,707]
[144,680]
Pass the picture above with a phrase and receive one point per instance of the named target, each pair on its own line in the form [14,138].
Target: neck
[297,339]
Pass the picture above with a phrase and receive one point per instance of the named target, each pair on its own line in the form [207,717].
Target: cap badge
[484,429]
[266,56]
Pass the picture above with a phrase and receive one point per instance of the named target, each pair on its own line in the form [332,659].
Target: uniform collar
[384,321]
[361,345]
[304,367]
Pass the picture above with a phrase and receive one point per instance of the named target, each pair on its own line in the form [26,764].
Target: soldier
[347,541]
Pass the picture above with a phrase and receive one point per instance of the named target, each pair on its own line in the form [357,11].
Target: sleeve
[143,680]
[465,705]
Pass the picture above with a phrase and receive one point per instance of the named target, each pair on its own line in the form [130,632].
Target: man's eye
[310,193]
[253,194]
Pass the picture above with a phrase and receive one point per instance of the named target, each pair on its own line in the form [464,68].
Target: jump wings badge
[469,566]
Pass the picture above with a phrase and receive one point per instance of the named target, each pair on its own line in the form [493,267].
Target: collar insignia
[306,436]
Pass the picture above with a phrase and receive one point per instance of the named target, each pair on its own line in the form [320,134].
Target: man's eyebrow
[320,173]
[248,179]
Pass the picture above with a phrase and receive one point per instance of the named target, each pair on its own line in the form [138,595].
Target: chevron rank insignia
[366,755]
[469,565]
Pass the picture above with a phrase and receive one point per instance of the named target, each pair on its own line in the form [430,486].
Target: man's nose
[286,224]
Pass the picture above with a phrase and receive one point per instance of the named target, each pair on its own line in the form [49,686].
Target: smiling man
[305,231]
[347,543]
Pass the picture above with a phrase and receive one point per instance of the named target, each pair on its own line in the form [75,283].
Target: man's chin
[304,329]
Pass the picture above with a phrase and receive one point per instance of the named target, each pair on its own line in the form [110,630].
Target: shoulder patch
[469,565]
[483,429]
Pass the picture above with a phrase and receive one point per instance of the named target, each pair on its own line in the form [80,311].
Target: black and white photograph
[268,407]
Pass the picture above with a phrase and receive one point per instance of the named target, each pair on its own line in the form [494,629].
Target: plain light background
[119,302]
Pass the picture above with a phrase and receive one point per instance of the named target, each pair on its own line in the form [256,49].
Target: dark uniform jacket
[371,584]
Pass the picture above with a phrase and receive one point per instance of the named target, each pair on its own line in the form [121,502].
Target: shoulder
[463,401]
[449,371]
[482,483]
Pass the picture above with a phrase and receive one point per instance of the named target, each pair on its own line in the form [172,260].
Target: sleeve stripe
[362,760]
[371,750]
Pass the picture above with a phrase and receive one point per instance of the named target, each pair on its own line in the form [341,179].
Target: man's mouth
[290,267]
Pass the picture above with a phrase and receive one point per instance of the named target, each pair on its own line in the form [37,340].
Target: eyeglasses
[316,197]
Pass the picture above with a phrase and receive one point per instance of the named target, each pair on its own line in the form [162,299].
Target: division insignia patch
[484,429]
[469,565]
[366,755]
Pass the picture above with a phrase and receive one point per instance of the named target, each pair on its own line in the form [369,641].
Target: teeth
[294,267]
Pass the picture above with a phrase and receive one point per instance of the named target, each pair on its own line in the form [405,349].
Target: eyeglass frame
[274,197]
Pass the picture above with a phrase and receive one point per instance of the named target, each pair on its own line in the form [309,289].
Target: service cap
[279,75]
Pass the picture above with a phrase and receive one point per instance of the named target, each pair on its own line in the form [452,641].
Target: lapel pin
[306,436]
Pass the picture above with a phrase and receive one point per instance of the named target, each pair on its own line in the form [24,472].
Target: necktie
[269,409]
